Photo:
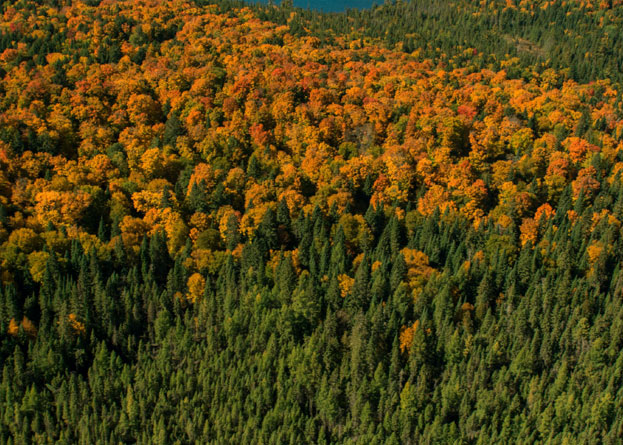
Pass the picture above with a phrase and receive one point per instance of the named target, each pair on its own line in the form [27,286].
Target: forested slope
[582,39]
[213,230]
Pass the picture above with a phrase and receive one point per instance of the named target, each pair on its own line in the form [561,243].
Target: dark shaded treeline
[579,38]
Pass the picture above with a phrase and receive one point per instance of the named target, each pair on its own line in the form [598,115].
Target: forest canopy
[231,224]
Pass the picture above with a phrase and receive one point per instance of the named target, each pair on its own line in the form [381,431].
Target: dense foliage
[582,39]
[216,230]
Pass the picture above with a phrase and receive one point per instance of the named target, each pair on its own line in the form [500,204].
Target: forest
[579,38]
[243,224]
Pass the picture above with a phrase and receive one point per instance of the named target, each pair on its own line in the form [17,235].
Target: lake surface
[333,6]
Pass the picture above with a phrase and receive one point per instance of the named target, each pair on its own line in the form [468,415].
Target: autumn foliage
[355,228]
[152,143]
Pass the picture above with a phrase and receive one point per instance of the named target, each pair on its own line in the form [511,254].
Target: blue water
[333,6]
